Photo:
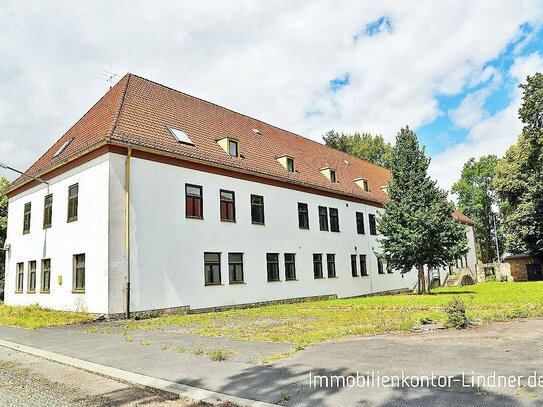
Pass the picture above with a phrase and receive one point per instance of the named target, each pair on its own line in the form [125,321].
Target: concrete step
[453,280]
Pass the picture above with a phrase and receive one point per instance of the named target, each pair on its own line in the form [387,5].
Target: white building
[160,200]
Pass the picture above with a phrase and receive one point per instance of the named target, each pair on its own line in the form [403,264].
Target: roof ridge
[118,113]
[258,120]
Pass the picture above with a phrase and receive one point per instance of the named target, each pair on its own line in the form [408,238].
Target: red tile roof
[139,112]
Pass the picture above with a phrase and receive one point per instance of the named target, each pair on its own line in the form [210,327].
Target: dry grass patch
[34,316]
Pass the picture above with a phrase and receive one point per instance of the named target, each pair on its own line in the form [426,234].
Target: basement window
[63,147]
[180,136]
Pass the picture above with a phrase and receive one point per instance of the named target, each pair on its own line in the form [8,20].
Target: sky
[448,69]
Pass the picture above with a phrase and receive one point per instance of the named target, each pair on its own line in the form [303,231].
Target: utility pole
[496,238]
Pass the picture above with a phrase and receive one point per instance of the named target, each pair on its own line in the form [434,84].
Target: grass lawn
[311,322]
[34,316]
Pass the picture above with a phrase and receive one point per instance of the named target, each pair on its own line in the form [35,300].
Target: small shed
[526,267]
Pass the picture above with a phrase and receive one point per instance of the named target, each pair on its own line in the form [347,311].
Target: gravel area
[27,380]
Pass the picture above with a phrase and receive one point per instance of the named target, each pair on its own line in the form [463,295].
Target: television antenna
[108,77]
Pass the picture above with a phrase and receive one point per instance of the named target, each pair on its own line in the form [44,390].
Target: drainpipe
[127,228]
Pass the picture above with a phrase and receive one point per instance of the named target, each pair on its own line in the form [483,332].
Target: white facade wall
[167,262]
[89,235]
[167,249]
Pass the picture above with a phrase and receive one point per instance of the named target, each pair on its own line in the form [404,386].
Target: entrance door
[534,272]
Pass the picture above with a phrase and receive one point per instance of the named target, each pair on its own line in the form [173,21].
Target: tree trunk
[422,279]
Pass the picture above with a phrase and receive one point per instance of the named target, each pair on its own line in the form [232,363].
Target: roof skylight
[63,147]
[256,131]
[180,136]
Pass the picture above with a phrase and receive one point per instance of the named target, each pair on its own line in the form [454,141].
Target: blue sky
[500,96]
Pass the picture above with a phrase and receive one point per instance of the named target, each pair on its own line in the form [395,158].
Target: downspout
[127,228]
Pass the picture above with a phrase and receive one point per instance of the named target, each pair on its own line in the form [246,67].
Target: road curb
[136,378]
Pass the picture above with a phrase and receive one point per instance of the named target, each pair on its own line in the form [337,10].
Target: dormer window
[287,162]
[233,148]
[385,189]
[329,173]
[230,146]
[362,183]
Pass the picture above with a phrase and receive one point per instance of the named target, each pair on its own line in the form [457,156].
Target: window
[380,266]
[456,260]
[193,201]
[73,194]
[79,272]
[235,267]
[273,266]
[26,218]
[290,266]
[47,211]
[317,265]
[334,220]
[45,275]
[212,268]
[360,223]
[461,262]
[228,206]
[233,148]
[31,277]
[20,277]
[331,265]
[180,136]
[365,185]
[323,218]
[333,176]
[303,216]
[354,270]
[363,266]
[63,147]
[290,164]
[257,209]
[373,225]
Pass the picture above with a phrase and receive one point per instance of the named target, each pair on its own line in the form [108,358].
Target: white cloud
[471,109]
[273,61]
[487,135]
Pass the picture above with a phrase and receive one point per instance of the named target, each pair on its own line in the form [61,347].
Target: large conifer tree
[417,224]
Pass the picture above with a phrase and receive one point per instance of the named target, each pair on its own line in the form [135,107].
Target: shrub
[491,278]
[467,280]
[456,314]
[218,355]
[426,321]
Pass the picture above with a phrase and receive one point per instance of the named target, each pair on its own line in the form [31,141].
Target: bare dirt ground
[27,380]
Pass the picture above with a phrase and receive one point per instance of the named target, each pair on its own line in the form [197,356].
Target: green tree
[362,145]
[477,199]
[519,176]
[3,226]
[417,224]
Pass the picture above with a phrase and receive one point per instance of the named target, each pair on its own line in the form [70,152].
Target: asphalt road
[507,349]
